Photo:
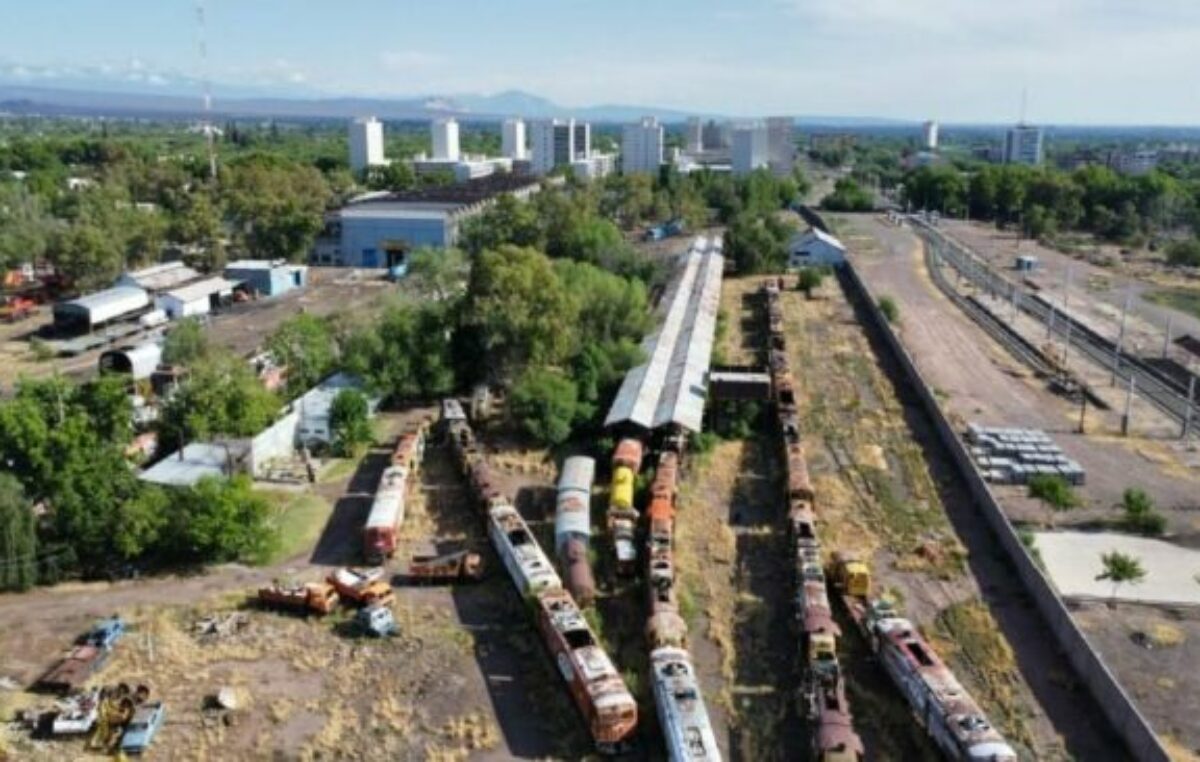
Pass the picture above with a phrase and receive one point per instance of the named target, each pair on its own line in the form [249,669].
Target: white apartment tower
[1023,145]
[642,146]
[366,143]
[512,139]
[445,139]
[557,143]
[781,145]
[749,148]
[929,135]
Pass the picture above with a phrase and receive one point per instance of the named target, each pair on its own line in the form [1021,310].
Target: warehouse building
[196,299]
[266,277]
[87,313]
[138,362]
[382,229]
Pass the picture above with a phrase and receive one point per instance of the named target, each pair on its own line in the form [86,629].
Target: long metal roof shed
[102,306]
[669,388]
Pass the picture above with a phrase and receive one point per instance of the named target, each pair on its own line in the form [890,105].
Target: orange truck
[313,597]
[14,307]
[362,586]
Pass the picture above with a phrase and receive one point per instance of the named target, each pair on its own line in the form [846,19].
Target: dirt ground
[976,380]
[242,327]
[466,677]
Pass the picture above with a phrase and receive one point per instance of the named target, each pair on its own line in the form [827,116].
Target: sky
[1080,61]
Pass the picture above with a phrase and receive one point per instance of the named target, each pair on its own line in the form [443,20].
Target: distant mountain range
[135,92]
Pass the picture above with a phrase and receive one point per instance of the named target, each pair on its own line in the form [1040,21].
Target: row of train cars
[945,709]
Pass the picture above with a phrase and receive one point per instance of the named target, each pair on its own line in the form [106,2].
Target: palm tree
[1120,568]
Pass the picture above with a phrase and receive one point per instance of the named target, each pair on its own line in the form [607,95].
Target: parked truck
[312,598]
[362,586]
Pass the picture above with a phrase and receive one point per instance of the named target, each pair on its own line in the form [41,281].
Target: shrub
[810,279]
[1054,491]
[350,422]
[543,403]
[1184,253]
[887,305]
[1140,516]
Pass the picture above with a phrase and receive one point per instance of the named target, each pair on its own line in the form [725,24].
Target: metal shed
[669,388]
[139,362]
[85,313]
[160,277]
[266,277]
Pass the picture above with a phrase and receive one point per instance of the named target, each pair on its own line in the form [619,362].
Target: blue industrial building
[265,277]
[382,229]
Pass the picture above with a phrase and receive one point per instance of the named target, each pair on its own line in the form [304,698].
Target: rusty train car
[823,690]
[622,514]
[387,507]
[596,687]
[573,526]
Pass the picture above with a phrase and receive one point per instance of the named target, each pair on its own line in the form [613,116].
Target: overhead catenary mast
[206,123]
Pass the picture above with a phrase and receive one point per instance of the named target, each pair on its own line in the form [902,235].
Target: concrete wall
[1120,711]
[276,441]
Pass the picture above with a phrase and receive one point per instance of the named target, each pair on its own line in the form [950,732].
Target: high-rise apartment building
[781,145]
[749,148]
[366,143]
[1023,145]
[445,139]
[557,142]
[512,139]
[642,146]
[929,136]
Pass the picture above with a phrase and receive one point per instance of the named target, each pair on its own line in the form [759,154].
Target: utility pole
[1187,414]
[1050,323]
[1128,405]
[1120,339]
[1167,338]
[1066,288]
[206,124]
[1082,409]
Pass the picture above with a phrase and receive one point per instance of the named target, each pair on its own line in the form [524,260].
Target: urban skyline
[756,58]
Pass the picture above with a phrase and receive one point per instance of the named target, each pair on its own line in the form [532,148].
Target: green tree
[1140,514]
[405,352]
[507,221]
[186,343]
[810,280]
[220,520]
[520,310]
[222,396]
[87,256]
[350,423]
[1184,253]
[543,402]
[848,196]
[18,537]
[277,206]
[439,274]
[1120,569]
[305,345]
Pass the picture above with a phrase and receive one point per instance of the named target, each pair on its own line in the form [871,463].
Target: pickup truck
[140,731]
[362,585]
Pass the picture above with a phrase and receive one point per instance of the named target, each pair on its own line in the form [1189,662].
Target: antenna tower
[206,123]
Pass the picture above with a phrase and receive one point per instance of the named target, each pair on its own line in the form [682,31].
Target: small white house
[815,247]
[195,299]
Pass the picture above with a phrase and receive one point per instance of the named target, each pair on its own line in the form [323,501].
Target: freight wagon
[572,527]
[622,515]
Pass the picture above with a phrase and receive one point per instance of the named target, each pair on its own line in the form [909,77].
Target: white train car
[572,516]
[681,711]
[527,565]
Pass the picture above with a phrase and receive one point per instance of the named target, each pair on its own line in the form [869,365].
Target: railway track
[1165,393]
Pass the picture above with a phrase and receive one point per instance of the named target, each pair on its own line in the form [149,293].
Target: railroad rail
[1164,392]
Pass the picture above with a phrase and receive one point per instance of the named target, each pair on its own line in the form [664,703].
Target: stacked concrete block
[1014,456]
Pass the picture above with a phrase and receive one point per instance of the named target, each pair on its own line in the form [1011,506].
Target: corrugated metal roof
[201,289]
[199,459]
[110,303]
[160,277]
[669,388]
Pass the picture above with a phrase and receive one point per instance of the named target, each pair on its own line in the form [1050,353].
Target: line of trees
[1044,201]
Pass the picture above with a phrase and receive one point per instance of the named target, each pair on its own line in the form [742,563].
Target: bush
[1184,253]
[1140,516]
[810,279]
[1054,491]
[887,305]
